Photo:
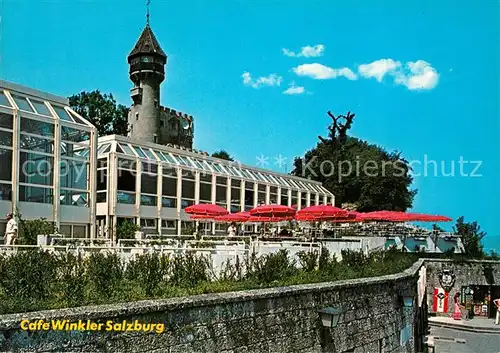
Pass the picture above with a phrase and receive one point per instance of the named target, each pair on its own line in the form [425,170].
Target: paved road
[475,342]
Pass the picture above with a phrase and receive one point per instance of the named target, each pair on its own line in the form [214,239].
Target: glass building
[152,184]
[47,160]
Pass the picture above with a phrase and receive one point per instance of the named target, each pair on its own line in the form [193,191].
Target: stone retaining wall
[267,320]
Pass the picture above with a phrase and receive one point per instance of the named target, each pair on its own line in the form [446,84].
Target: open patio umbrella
[234,217]
[322,212]
[269,218]
[420,217]
[210,210]
[272,211]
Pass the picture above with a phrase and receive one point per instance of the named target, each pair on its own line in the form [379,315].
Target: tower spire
[148,2]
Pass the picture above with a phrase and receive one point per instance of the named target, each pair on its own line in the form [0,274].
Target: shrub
[149,271]
[126,230]
[30,229]
[103,273]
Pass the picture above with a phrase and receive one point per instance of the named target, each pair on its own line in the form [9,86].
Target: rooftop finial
[147,12]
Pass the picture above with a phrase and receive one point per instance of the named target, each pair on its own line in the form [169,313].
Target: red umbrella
[323,212]
[234,217]
[390,216]
[206,210]
[269,218]
[200,216]
[419,217]
[272,211]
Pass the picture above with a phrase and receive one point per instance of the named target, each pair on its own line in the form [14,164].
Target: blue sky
[422,77]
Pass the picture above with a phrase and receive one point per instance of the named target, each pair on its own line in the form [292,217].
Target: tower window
[161,123]
[136,116]
[155,138]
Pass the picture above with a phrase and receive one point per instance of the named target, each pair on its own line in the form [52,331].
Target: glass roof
[204,164]
[24,99]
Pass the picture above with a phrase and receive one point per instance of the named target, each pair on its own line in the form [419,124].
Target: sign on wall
[440,302]
[447,279]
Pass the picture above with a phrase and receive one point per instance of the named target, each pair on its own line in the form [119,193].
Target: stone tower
[147,71]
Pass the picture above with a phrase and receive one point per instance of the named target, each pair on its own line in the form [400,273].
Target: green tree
[357,172]
[102,111]
[222,155]
[472,236]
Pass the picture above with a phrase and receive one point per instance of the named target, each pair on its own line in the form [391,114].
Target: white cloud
[378,69]
[270,80]
[418,75]
[322,72]
[307,51]
[293,89]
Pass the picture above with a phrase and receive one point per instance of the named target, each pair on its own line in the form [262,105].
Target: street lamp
[407,300]
[330,316]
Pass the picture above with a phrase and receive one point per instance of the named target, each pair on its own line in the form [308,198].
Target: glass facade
[48,158]
[161,181]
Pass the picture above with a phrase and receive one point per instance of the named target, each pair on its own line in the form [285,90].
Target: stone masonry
[466,273]
[266,320]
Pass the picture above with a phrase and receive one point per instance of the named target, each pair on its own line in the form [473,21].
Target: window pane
[170,202]
[40,107]
[169,187]
[186,203]
[126,180]
[62,113]
[22,103]
[102,178]
[74,135]
[248,185]
[148,183]
[6,138]
[5,192]
[37,127]
[248,199]
[205,192]
[139,151]
[35,194]
[221,181]
[167,171]
[127,198]
[101,197]
[6,163]
[73,150]
[188,189]
[126,149]
[149,153]
[207,178]
[74,174]
[3,100]
[235,198]
[6,121]
[104,148]
[284,197]
[148,200]
[128,164]
[187,175]
[74,198]
[220,195]
[35,168]
[77,119]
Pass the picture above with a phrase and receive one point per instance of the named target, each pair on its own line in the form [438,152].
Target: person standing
[231,231]
[10,236]
[497,317]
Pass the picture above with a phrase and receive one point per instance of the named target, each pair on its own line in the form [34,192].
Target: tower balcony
[141,69]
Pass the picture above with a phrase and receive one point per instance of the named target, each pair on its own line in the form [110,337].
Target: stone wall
[266,320]
[466,273]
